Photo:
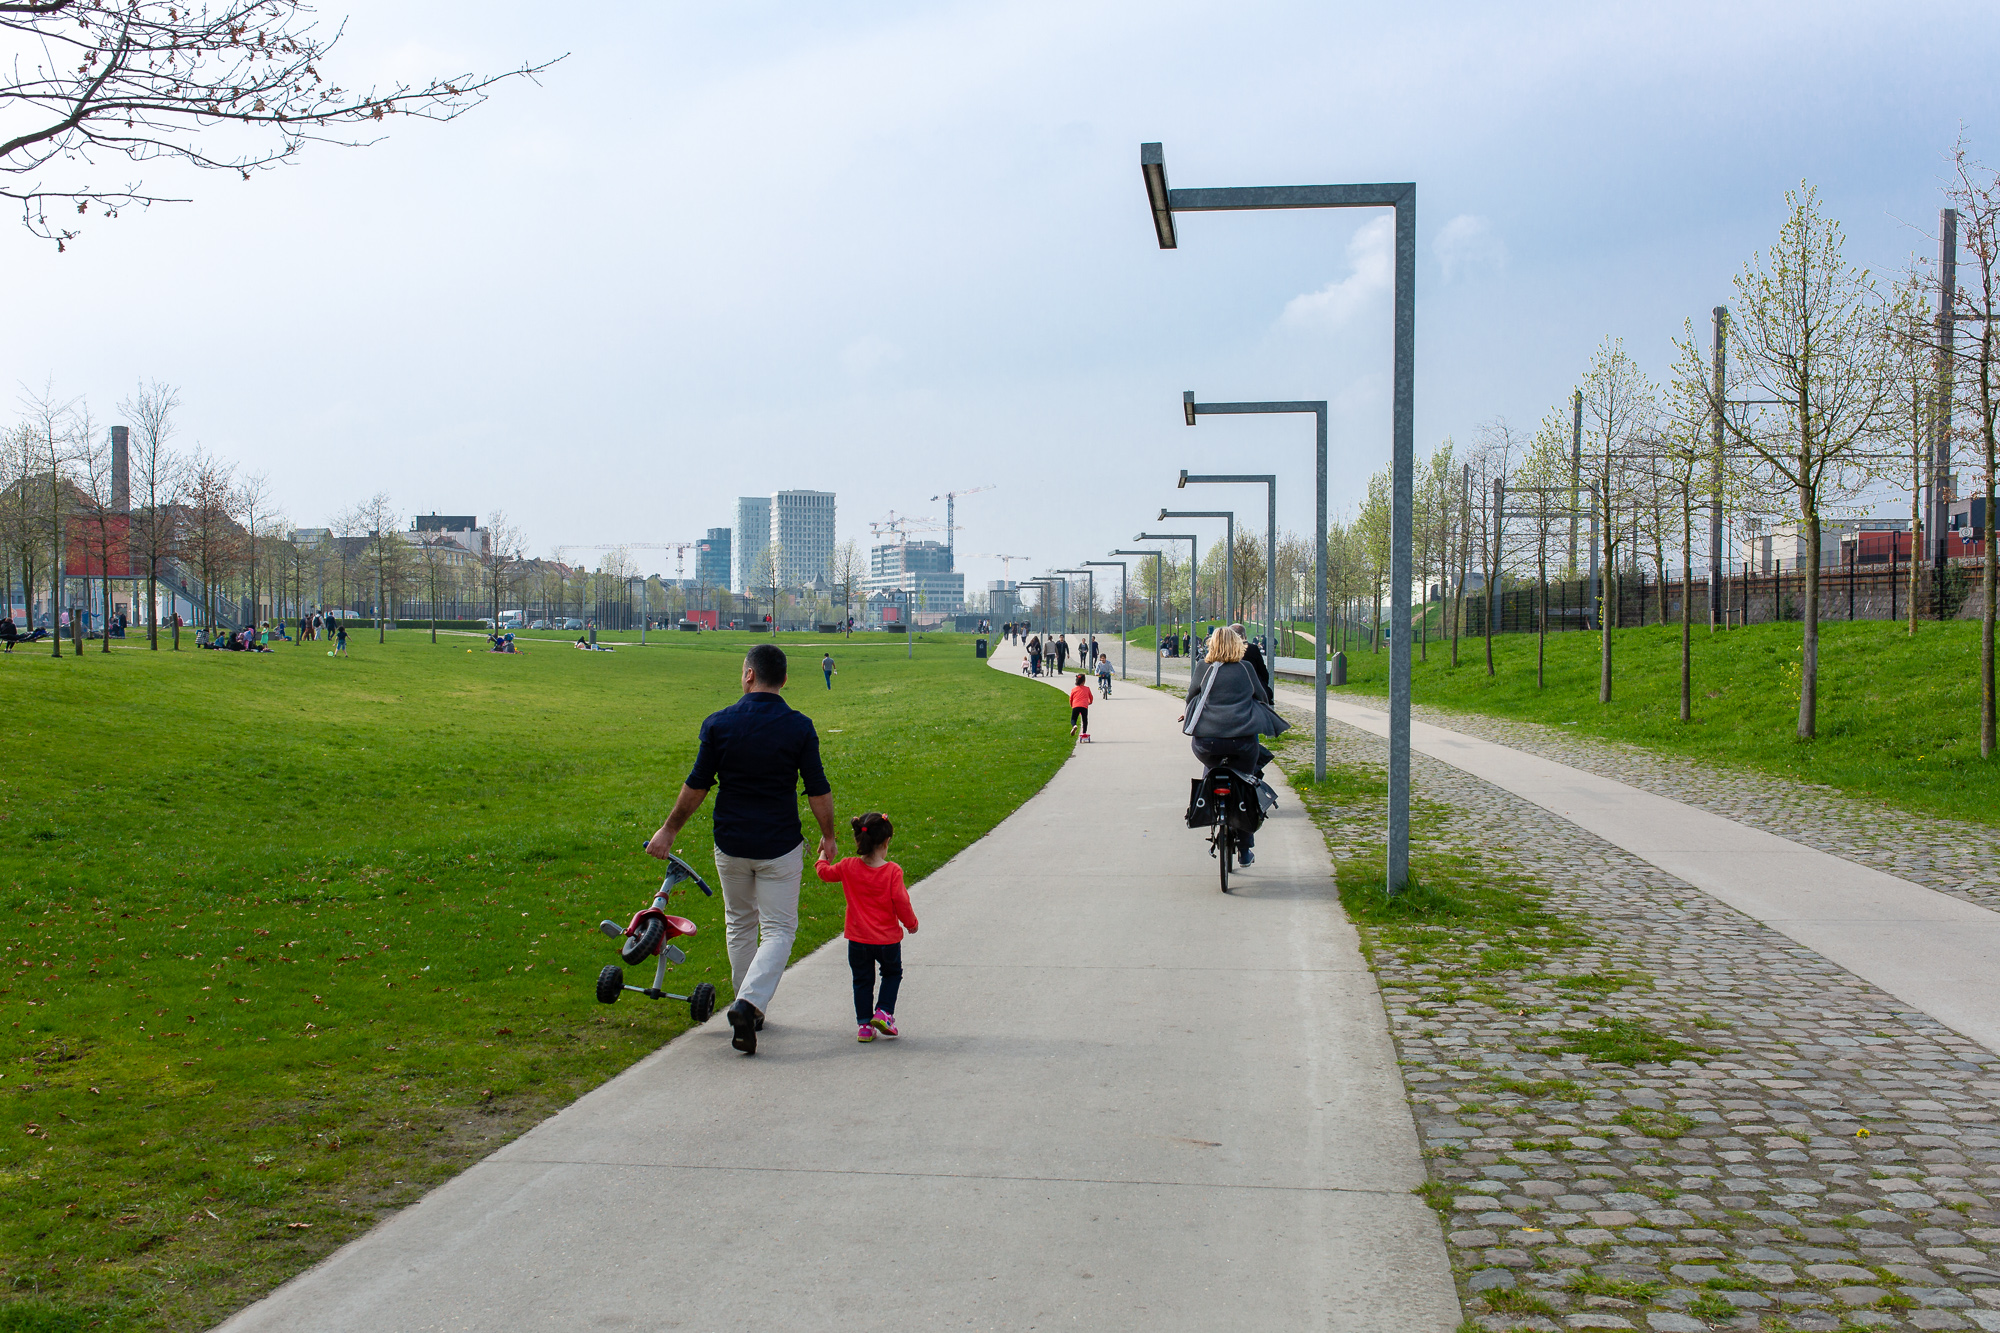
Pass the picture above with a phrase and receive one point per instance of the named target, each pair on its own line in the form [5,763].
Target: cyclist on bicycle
[1227,706]
[1104,675]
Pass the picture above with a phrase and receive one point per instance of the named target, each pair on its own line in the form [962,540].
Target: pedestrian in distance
[826,667]
[878,911]
[1034,655]
[340,641]
[760,751]
[1080,700]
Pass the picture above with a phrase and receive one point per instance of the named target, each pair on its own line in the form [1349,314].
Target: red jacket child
[878,906]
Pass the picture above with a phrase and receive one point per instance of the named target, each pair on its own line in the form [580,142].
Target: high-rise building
[801,527]
[753,535]
[711,560]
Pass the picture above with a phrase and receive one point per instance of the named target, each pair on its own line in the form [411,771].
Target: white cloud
[1466,245]
[1371,264]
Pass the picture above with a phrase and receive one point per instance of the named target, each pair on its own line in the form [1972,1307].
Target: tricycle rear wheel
[701,1004]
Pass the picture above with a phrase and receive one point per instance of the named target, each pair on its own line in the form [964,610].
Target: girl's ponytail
[870,831]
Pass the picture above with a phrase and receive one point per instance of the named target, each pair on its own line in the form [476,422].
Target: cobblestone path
[1819,1157]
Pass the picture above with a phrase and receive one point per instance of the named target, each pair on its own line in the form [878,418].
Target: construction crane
[950,499]
[1006,561]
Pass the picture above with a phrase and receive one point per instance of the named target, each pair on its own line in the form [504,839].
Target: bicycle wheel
[1225,847]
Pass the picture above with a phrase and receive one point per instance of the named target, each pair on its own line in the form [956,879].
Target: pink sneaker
[866,1032]
[884,1024]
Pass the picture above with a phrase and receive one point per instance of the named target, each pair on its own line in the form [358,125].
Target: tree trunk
[1687,623]
[1986,566]
[1809,653]
[1916,517]
[1607,601]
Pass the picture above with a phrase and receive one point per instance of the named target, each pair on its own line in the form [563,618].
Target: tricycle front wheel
[701,1004]
[610,983]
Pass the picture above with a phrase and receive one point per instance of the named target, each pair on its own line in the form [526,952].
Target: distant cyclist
[1104,675]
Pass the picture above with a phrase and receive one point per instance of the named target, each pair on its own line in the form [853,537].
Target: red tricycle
[647,937]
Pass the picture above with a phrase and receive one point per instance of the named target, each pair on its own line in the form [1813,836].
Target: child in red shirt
[1080,700]
[878,907]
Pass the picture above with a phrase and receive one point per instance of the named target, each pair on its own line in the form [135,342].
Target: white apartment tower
[801,525]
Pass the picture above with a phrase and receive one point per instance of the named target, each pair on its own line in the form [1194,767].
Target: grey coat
[1224,692]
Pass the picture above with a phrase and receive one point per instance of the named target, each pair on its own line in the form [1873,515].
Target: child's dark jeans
[862,960]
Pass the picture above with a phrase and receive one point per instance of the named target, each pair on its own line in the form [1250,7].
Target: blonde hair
[1225,645]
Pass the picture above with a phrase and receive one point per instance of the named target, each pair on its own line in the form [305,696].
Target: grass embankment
[1898,717]
[288,940]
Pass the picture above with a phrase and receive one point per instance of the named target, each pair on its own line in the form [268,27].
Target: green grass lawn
[286,940]
[1898,717]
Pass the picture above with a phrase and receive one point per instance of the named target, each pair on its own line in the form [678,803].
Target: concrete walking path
[1122,1101]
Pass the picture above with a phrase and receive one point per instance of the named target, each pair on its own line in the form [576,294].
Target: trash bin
[1336,669]
[979,648]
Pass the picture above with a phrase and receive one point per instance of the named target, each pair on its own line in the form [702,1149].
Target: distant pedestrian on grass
[761,752]
[1080,699]
[826,668]
[878,911]
[340,641]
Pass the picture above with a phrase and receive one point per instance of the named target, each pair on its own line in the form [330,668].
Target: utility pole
[1941,458]
[1721,316]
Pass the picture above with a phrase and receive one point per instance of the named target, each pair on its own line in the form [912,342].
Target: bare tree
[1810,335]
[1498,443]
[497,561]
[1619,404]
[255,506]
[384,557]
[1436,512]
[850,568]
[153,79]
[156,482]
[23,528]
[212,538]
[48,437]
[437,567]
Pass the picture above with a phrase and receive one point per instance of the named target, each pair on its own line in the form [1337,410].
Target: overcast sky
[890,249]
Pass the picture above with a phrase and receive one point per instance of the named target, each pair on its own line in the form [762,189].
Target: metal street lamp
[1122,643]
[1090,574]
[1159,576]
[1228,550]
[1192,410]
[1270,484]
[1194,559]
[1164,202]
[1041,603]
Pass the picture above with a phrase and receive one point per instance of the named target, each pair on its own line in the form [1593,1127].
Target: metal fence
[1846,592]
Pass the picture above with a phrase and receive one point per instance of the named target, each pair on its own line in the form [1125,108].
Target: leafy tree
[1809,333]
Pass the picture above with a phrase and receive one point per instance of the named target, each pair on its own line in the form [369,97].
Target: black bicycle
[1226,804]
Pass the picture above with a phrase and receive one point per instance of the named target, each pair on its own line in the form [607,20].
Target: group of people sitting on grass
[10,634]
[236,641]
[501,643]
[584,643]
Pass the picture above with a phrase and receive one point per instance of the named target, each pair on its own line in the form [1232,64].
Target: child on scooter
[878,910]
[1080,700]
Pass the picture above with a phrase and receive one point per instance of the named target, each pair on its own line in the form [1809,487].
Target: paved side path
[1931,950]
[1936,951]
[1122,1101]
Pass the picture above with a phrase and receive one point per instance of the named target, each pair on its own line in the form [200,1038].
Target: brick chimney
[121,470]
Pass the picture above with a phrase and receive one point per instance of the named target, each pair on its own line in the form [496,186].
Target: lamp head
[1163,516]
[1187,407]
[1181,485]
[1153,166]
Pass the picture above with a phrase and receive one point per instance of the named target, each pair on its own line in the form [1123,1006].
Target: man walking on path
[760,750]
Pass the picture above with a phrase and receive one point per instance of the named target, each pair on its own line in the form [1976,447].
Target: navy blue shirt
[759,748]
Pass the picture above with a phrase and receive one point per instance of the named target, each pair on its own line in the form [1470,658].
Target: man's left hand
[829,850]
